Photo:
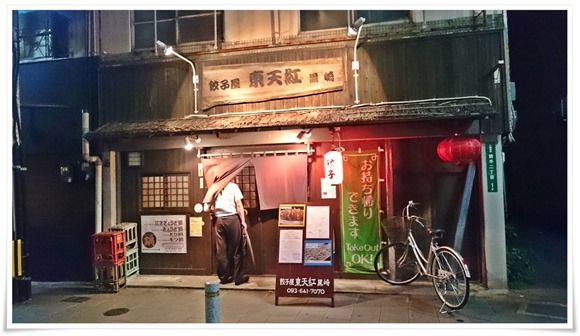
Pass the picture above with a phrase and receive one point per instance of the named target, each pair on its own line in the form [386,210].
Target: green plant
[520,259]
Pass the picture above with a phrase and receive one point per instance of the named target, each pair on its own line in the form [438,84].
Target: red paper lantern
[458,150]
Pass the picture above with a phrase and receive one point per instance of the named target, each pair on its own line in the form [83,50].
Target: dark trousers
[229,248]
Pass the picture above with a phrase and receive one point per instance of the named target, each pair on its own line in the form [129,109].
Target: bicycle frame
[422,261]
[442,264]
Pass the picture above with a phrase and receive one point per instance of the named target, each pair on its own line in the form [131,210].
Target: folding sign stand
[305,263]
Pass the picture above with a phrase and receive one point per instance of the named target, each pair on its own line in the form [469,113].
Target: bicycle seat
[437,233]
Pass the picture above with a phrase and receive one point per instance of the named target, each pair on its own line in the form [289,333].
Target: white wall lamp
[188,145]
[355,29]
[168,50]
[304,134]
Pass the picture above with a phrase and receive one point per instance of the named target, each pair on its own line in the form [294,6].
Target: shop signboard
[305,263]
[252,82]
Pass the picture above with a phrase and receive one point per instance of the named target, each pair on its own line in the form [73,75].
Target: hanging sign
[333,169]
[240,83]
[359,211]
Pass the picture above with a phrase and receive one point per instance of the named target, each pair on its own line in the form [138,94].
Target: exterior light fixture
[197,139]
[188,145]
[304,134]
[168,50]
[356,28]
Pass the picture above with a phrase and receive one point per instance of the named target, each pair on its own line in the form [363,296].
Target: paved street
[77,305]
[150,302]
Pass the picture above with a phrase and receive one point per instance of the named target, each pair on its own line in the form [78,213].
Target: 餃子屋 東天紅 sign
[252,82]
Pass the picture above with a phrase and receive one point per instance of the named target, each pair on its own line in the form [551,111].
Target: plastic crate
[109,248]
[130,231]
[132,263]
[109,278]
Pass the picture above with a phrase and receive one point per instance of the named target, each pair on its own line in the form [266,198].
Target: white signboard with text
[163,234]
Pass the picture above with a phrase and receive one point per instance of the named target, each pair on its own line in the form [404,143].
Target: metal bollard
[212,302]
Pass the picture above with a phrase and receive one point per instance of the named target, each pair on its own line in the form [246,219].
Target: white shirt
[225,202]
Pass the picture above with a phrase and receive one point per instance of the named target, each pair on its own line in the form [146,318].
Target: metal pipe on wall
[98,173]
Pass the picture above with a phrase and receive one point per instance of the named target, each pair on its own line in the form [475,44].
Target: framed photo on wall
[291,215]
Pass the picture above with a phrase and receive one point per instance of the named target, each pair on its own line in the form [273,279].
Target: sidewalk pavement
[161,301]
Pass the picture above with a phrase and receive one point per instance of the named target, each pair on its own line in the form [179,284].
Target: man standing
[229,222]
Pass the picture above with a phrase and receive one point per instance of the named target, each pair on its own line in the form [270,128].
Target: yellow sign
[195,226]
[239,83]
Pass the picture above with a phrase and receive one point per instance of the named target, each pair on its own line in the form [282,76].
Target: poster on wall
[163,234]
[359,211]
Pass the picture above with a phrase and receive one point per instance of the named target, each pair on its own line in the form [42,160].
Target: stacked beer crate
[131,246]
[109,261]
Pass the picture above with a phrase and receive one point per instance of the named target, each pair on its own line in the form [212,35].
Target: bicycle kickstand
[447,311]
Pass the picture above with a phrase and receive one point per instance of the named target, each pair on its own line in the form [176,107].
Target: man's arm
[241,212]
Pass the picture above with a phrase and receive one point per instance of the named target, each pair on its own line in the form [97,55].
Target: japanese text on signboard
[229,84]
[359,212]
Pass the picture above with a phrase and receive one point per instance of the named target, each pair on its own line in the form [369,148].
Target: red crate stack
[109,255]
[109,247]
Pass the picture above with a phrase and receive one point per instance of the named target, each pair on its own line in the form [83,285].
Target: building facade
[262,96]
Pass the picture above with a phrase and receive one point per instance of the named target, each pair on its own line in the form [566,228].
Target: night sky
[536,163]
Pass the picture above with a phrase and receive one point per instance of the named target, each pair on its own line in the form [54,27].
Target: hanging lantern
[458,150]
[333,167]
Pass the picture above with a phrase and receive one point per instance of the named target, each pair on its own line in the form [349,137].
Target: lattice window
[169,191]
[246,180]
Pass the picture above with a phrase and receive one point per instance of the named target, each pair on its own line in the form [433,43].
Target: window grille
[246,180]
[43,34]
[169,191]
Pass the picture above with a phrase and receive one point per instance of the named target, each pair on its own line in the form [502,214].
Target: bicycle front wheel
[396,264]
[449,278]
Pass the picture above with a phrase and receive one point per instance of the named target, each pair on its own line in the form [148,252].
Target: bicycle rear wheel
[396,264]
[449,278]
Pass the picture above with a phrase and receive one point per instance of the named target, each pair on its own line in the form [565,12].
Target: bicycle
[402,262]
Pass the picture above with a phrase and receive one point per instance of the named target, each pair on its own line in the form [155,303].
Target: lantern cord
[332,140]
[332,147]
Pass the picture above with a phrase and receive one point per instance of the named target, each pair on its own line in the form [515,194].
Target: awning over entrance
[474,107]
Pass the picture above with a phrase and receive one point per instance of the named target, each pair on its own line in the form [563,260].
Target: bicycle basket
[394,228]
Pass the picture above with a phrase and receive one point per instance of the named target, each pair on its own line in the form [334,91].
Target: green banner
[359,211]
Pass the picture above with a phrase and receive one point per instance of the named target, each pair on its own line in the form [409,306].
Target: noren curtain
[280,179]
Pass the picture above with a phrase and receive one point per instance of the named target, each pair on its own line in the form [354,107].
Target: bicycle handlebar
[408,216]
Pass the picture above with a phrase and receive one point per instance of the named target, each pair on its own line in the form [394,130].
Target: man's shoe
[227,281]
[244,280]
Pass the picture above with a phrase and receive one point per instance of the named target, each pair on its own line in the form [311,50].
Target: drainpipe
[98,174]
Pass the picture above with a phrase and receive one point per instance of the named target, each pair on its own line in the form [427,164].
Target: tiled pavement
[160,301]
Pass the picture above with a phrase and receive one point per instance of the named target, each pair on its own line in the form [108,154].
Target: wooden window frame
[173,24]
[167,190]
[246,181]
